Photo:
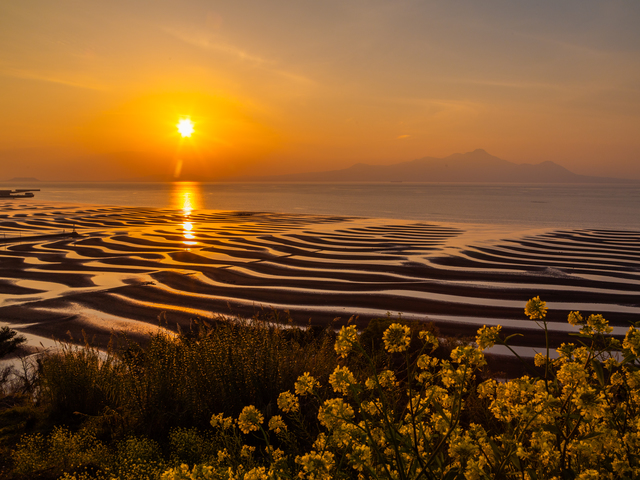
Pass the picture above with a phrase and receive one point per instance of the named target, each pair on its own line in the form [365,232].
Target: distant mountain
[476,167]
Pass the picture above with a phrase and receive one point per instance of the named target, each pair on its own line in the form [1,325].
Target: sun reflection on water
[187,196]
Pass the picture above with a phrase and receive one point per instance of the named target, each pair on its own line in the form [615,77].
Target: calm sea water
[570,206]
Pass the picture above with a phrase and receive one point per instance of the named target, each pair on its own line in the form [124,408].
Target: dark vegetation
[164,391]
[145,407]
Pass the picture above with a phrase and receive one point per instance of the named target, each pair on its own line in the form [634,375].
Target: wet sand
[104,269]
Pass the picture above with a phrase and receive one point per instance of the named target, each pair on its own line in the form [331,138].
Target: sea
[595,206]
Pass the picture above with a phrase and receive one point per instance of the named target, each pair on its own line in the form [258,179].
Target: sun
[185,127]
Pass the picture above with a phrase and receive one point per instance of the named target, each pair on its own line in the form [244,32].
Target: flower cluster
[433,418]
[397,338]
[347,337]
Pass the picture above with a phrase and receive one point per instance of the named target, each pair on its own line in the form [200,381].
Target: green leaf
[549,427]
[532,474]
[438,408]
[494,447]
[590,435]
[516,461]
[598,369]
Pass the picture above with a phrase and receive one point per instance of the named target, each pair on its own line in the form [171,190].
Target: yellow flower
[572,373]
[335,412]
[488,336]
[347,337]
[396,338]
[487,388]
[535,309]
[588,475]
[250,419]
[341,380]
[575,318]
[276,424]
[632,341]
[222,455]
[277,454]
[540,360]
[462,448]
[386,379]
[360,457]
[316,465]
[288,402]
[305,384]
[565,350]
[426,362]
[258,473]
[373,407]
[429,337]
[321,442]
[221,421]
[468,354]
[596,324]
[247,451]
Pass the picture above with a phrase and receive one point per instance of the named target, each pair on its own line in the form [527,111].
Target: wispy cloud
[204,41]
[515,84]
[49,78]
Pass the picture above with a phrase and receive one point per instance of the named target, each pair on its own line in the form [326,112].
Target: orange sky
[94,90]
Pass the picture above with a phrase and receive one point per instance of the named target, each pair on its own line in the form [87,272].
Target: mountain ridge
[477,166]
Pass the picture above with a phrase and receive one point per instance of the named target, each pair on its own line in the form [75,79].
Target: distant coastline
[477,167]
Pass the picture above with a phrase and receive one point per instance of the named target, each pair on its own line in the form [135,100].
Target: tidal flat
[101,269]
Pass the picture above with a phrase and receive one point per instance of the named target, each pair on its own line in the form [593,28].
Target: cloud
[43,77]
[204,41]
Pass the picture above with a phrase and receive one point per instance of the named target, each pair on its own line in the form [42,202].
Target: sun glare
[185,127]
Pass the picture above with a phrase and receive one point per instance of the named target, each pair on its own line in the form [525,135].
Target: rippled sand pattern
[125,266]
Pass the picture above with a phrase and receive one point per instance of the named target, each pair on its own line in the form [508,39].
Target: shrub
[9,341]
[80,380]
[179,380]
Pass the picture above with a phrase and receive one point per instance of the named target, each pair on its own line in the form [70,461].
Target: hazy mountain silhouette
[477,167]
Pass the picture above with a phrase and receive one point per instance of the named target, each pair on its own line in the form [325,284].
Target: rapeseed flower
[250,419]
[345,340]
[247,451]
[334,412]
[468,355]
[396,338]
[535,309]
[386,379]
[288,402]
[219,420]
[426,362]
[488,336]
[632,341]
[428,337]
[316,466]
[342,380]
[257,473]
[305,384]
[276,424]
[574,318]
[540,360]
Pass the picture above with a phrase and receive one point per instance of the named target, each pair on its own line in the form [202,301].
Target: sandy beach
[99,269]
